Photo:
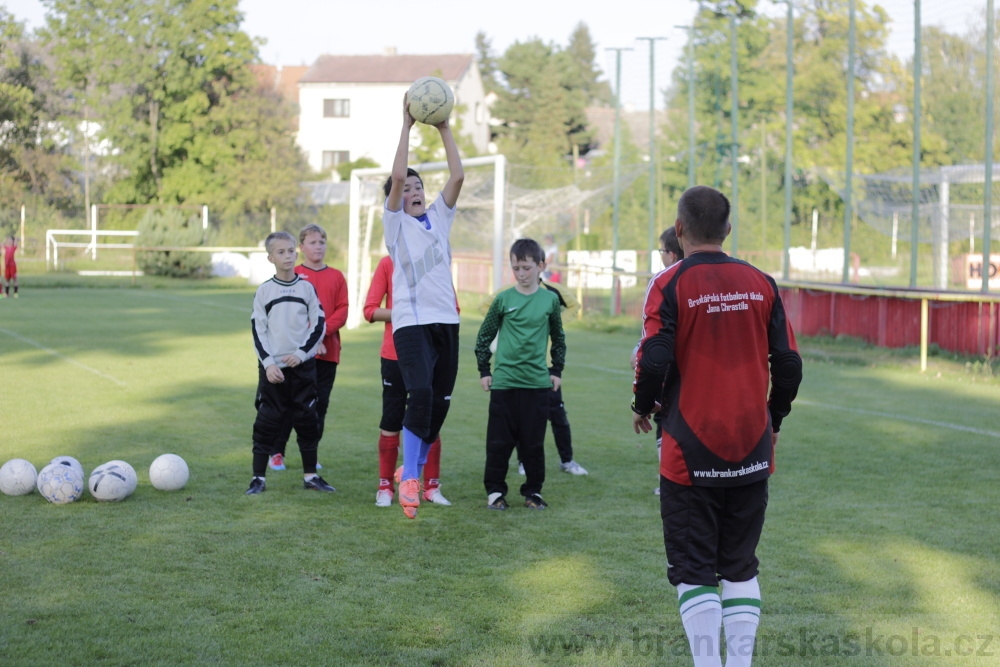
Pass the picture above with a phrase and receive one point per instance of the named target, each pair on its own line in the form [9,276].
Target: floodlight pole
[652,145]
[690,67]
[917,148]
[848,191]
[988,184]
[617,168]
[734,145]
[789,108]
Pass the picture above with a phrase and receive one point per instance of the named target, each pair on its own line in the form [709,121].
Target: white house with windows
[352,106]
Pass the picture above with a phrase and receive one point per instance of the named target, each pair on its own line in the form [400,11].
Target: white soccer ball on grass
[110,482]
[71,462]
[60,484]
[168,472]
[17,477]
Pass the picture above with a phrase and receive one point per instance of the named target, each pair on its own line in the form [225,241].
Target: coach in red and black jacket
[719,355]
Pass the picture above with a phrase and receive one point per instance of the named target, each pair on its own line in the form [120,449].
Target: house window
[336,108]
[333,159]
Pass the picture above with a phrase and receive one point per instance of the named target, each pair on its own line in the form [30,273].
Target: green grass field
[880,546]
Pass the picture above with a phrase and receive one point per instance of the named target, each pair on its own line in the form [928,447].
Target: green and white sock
[740,616]
[701,614]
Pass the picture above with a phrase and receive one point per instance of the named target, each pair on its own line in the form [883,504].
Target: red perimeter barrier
[965,323]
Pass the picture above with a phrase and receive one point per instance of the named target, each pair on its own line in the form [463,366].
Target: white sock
[701,614]
[309,475]
[740,616]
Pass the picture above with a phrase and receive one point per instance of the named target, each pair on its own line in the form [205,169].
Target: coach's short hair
[275,236]
[704,212]
[527,249]
[410,171]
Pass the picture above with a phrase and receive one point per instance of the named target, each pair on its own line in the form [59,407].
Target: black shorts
[393,397]
[711,533]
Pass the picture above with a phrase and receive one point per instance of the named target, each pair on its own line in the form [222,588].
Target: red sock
[432,469]
[388,452]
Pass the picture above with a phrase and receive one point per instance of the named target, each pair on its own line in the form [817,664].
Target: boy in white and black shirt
[288,327]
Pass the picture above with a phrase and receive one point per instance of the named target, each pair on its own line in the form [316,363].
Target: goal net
[950,210]
[499,203]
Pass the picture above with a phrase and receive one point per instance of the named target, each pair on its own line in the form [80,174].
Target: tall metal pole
[988,196]
[690,67]
[917,147]
[788,141]
[617,185]
[652,145]
[849,187]
[734,145]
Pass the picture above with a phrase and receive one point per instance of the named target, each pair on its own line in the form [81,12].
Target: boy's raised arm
[394,201]
[456,173]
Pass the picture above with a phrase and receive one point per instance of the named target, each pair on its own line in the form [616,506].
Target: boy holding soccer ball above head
[424,315]
[719,355]
[523,320]
[288,326]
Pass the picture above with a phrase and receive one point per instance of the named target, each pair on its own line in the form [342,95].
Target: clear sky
[298,31]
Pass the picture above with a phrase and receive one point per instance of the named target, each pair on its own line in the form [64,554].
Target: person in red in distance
[10,264]
[718,354]
[394,398]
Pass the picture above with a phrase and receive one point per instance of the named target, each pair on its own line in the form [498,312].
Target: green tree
[172,229]
[954,90]
[487,60]
[581,67]
[170,84]
[32,161]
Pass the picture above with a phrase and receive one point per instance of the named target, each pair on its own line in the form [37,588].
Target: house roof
[283,80]
[386,68]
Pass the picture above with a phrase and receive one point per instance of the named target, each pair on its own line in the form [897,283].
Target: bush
[173,229]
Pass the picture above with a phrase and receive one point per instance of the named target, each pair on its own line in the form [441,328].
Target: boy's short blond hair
[311,228]
[275,236]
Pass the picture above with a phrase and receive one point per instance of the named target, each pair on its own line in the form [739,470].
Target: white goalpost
[366,192]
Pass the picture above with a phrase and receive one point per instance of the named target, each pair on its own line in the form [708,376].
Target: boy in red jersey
[394,398]
[332,291]
[715,340]
[9,264]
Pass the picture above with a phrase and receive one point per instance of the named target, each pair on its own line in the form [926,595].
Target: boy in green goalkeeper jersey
[523,320]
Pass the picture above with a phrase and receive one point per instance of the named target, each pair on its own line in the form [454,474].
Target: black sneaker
[257,485]
[317,483]
[535,502]
[499,503]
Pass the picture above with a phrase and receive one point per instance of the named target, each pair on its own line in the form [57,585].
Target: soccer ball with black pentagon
[69,461]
